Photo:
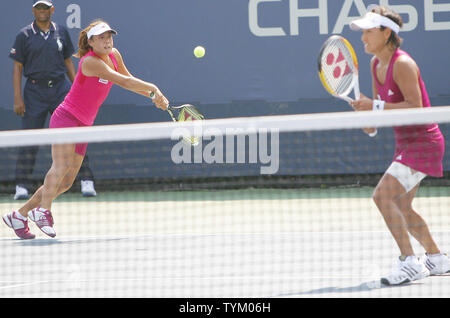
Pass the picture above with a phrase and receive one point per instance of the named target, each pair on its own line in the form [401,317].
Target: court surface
[236,243]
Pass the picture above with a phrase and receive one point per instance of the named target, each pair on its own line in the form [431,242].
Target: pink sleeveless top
[87,93]
[420,147]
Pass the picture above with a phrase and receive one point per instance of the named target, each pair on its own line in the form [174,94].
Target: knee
[61,164]
[57,171]
[382,198]
[377,197]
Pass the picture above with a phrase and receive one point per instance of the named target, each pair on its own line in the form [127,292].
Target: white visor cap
[374,20]
[100,29]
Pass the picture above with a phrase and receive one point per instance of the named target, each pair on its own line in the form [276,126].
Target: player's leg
[64,160]
[65,163]
[415,224]
[436,262]
[62,156]
[71,174]
[388,190]
[65,184]
[395,184]
[65,167]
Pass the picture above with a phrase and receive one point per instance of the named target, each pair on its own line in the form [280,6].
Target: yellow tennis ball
[199,52]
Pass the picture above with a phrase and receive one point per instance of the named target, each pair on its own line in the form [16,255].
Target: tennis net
[273,206]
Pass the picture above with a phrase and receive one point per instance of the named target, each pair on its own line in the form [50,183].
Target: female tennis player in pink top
[100,67]
[397,84]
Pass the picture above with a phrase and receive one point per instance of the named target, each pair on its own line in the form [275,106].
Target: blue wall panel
[260,60]
[157,37]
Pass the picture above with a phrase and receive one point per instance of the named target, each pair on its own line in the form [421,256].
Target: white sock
[20,216]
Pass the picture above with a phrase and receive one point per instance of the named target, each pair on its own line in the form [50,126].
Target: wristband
[374,133]
[378,105]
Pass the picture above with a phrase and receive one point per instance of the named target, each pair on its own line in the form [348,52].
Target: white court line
[227,278]
[121,237]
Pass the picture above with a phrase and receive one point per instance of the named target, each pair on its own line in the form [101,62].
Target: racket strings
[338,67]
[188,113]
[193,112]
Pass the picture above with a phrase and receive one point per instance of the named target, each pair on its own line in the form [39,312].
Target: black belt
[46,82]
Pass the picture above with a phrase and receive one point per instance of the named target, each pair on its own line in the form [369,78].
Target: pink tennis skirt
[61,118]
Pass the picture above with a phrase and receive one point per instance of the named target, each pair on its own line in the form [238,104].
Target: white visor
[100,29]
[373,20]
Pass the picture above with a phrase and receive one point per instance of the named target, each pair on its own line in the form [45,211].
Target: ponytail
[83,45]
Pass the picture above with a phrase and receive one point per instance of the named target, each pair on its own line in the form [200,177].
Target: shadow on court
[363,287]
[50,242]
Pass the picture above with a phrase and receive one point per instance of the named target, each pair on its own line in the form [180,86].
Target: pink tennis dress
[420,147]
[81,105]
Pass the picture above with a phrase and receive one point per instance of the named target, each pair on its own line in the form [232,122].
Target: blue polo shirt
[42,56]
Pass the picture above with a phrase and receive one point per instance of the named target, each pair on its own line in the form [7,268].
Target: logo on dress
[103,81]
[399,157]
[390,93]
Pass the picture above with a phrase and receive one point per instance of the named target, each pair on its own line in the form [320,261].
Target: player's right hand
[160,100]
[362,104]
[19,108]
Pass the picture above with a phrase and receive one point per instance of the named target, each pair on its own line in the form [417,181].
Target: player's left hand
[362,104]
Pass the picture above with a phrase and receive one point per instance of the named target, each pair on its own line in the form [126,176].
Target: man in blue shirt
[42,53]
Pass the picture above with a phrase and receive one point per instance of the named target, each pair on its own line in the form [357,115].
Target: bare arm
[70,69]
[406,76]
[19,105]
[95,67]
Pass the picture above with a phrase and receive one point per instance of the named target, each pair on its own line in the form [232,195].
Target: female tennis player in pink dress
[397,84]
[100,67]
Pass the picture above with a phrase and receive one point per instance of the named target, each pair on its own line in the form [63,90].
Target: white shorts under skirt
[408,177]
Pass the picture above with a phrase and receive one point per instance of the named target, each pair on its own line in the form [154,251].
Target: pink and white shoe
[43,219]
[19,225]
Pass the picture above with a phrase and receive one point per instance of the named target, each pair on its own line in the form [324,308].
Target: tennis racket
[186,112]
[338,68]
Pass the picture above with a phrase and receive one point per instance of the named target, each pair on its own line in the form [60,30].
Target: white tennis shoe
[19,224]
[406,271]
[43,219]
[437,264]
[87,188]
[21,193]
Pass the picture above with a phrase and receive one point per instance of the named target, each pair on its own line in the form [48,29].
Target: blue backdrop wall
[260,60]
